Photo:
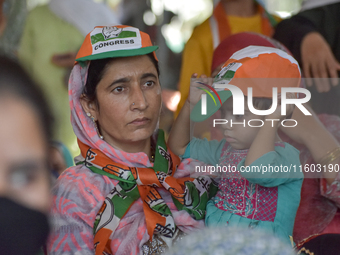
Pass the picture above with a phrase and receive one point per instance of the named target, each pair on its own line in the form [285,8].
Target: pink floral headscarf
[79,193]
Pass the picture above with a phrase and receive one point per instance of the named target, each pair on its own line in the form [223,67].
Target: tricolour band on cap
[115,41]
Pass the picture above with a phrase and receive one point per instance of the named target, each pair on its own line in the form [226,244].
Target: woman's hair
[15,82]
[96,71]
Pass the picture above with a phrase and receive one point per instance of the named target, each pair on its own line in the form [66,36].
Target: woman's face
[129,101]
[24,176]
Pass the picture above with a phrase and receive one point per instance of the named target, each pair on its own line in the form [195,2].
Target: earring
[95,124]
[133,103]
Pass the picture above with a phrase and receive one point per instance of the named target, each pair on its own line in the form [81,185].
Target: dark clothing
[326,21]
[322,245]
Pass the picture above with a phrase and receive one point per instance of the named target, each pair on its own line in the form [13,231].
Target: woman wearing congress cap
[128,193]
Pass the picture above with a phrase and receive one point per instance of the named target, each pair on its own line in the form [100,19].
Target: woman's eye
[118,89]
[22,177]
[149,83]
[26,174]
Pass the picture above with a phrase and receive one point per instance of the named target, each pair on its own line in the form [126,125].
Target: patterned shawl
[186,194]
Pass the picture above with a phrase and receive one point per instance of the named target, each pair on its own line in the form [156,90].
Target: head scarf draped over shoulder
[134,176]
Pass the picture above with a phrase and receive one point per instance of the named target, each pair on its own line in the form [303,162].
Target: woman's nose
[138,99]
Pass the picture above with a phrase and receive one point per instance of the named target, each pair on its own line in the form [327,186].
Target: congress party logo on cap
[115,41]
[111,32]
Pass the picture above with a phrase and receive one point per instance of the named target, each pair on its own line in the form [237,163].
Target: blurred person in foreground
[231,241]
[12,18]
[24,174]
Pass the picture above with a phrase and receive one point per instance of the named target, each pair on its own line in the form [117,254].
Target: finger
[306,71]
[204,79]
[331,69]
[321,69]
[333,72]
[193,79]
[319,72]
[210,81]
[334,76]
[314,75]
[321,85]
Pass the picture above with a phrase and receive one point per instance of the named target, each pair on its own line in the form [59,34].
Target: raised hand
[318,61]
[196,93]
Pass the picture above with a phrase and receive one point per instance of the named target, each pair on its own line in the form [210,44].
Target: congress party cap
[115,41]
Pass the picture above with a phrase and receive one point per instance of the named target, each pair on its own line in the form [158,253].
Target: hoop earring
[95,124]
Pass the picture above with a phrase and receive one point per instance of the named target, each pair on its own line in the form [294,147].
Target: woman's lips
[140,121]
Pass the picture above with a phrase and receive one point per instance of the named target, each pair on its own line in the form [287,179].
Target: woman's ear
[89,106]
